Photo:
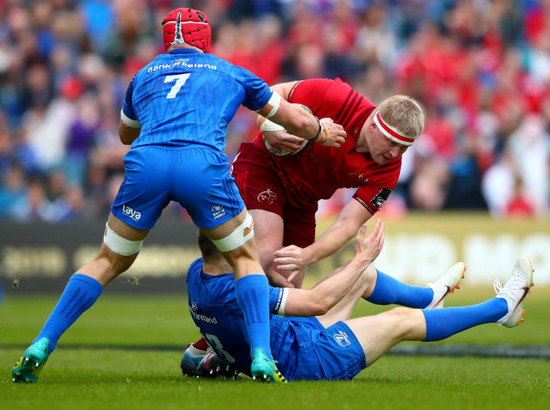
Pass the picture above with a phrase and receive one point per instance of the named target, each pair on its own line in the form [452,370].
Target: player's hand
[292,262]
[369,247]
[281,141]
[277,280]
[333,134]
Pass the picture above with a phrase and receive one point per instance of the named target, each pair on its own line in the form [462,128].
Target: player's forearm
[331,241]
[344,228]
[297,121]
[332,289]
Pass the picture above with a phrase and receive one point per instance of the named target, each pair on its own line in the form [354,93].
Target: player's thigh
[124,230]
[235,240]
[206,189]
[146,188]
[299,225]
[257,181]
[268,231]
[378,333]
[338,352]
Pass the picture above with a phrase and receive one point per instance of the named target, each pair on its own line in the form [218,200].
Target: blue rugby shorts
[316,353]
[197,177]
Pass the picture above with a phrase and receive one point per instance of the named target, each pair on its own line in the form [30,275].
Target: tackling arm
[128,127]
[327,293]
[293,260]
[346,225]
[300,122]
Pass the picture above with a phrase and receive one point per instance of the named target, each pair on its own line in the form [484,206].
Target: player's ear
[372,126]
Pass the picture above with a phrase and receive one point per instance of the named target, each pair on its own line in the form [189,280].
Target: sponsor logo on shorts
[267,196]
[342,338]
[218,211]
[135,215]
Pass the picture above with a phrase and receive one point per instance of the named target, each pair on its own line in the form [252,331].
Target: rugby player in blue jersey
[175,117]
[316,339]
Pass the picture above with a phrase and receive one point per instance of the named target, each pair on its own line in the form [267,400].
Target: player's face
[380,147]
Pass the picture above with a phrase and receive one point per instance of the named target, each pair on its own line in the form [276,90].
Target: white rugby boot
[515,290]
[446,284]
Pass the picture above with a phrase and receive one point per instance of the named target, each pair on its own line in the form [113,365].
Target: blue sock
[389,290]
[79,295]
[445,322]
[253,298]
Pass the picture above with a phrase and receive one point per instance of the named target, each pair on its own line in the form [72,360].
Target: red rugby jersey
[317,172]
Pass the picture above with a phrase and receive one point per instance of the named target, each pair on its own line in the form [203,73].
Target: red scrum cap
[187,26]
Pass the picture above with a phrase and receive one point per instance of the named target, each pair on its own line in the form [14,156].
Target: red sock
[201,344]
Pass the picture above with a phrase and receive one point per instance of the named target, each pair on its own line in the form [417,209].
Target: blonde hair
[404,113]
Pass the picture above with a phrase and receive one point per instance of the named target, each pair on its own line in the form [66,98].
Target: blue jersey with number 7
[187,97]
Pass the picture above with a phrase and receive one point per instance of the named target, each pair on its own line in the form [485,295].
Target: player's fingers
[289,251]
[292,139]
[293,275]
[283,261]
[379,232]
[338,141]
[380,240]
[279,280]
[288,267]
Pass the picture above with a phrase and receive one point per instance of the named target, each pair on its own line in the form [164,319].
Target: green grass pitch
[124,354]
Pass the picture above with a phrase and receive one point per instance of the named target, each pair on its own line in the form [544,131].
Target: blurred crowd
[479,68]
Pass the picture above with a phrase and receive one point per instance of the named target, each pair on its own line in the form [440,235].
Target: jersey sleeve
[277,300]
[326,97]
[311,93]
[127,114]
[257,92]
[379,187]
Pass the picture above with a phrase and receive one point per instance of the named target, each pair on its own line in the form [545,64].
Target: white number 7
[180,80]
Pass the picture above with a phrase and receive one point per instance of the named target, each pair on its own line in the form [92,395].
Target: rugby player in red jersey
[282,191]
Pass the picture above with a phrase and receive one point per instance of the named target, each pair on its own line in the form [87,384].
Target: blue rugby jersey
[305,350]
[215,311]
[187,97]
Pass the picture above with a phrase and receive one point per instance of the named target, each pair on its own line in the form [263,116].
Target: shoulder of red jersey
[331,98]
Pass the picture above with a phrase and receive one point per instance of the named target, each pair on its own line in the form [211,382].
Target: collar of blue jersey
[184,51]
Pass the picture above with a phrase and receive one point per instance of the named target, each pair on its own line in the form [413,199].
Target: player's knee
[400,312]
[401,316]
